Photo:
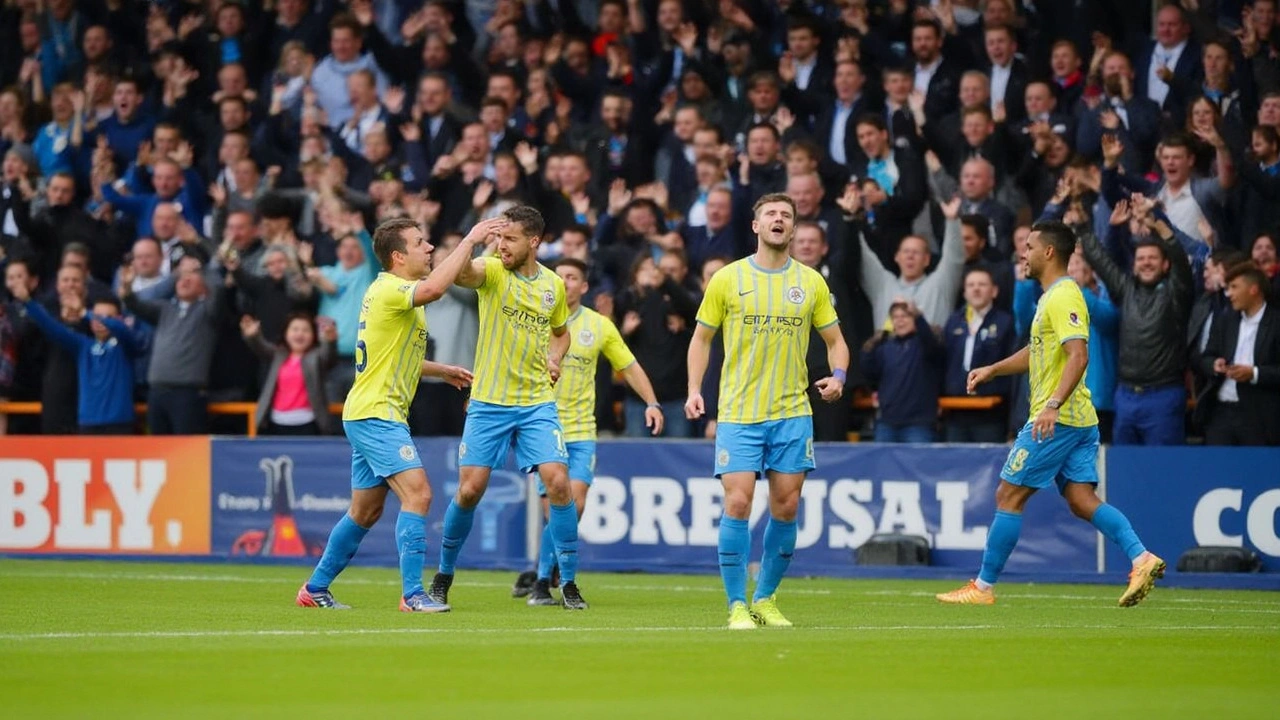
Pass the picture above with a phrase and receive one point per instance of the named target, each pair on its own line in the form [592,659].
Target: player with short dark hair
[1059,445]
[765,306]
[391,348]
[524,336]
[591,335]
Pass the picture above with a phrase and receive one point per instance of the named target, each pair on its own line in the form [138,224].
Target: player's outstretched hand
[458,377]
[1042,428]
[694,407]
[654,420]
[482,230]
[977,377]
[830,388]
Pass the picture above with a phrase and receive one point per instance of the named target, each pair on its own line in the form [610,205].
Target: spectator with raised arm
[182,351]
[293,399]
[933,293]
[905,364]
[1155,302]
[104,360]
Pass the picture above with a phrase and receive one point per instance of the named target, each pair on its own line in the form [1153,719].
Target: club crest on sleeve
[548,299]
[795,295]
[586,337]
[1073,318]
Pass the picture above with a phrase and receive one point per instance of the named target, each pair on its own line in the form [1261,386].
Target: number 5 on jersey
[362,353]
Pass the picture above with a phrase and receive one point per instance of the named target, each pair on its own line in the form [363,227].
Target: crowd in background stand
[189,186]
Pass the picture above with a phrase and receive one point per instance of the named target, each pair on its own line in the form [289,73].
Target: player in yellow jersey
[590,336]
[766,306]
[390,358]
[524,335]
[1059,445]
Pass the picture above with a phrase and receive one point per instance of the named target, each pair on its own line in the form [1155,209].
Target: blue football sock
[563,528]
[735,545]
[1001,539]
[546,554]
[779,545]
[411,541]
[1115,527]
[344,540]
[457,526]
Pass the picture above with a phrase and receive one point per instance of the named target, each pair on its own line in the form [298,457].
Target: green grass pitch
[144,640]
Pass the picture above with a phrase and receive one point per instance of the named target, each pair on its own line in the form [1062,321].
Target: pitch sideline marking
[179,634]
[153,577]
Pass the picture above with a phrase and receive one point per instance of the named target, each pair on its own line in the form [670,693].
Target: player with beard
[1059,446]
[766,305]
[524,334]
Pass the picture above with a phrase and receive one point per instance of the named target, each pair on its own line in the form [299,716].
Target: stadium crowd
[189,188]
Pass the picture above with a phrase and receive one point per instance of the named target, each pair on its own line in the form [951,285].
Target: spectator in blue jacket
[127,127]
[905,364]
[1104,342]
[978,334]
[104,362]
[172,184]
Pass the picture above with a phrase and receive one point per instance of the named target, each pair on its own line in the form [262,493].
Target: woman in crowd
[293,399]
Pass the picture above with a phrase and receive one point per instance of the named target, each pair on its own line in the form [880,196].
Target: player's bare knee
[417,501]
[365,516]
[1011,498]
[469,493]
[785,508]
[737,503]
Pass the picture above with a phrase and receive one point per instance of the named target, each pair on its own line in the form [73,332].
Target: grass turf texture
[141,640]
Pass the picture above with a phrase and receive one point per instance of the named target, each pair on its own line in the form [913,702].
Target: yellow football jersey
[591,335]
[517,315]
[766,317]
[1061,316]
[391,344]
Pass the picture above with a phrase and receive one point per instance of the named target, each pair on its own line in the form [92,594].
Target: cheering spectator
[905,364]
[1242,402]
[657,320]
[346,58]
[1155,302]
[933,293]
[182,351]
[104,361]
[977,335]
[293,399]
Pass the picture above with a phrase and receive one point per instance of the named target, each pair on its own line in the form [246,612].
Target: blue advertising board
[280,498]
[1179,498]
[655,507]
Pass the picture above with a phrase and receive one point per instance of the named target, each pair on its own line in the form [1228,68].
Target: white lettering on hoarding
[26,523]
[1260,520]
[656,505]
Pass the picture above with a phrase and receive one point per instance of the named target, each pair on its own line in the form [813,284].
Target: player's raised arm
[459,266]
